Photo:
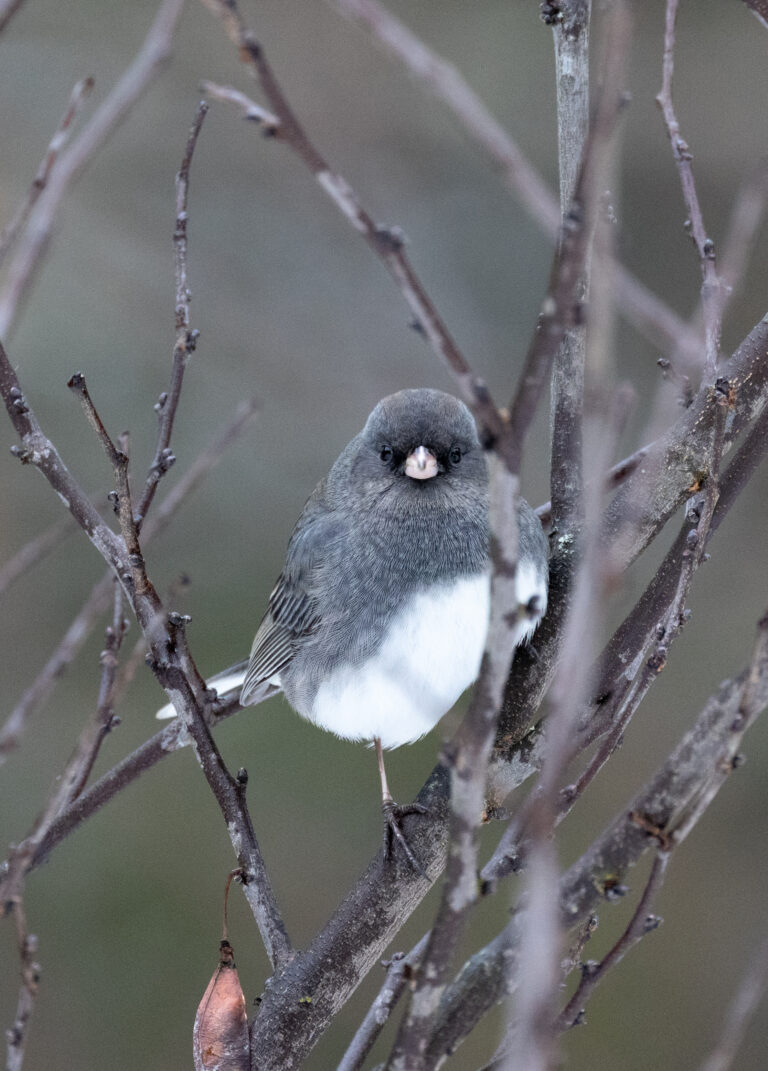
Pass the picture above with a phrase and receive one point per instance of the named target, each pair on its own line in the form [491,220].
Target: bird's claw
[393,815]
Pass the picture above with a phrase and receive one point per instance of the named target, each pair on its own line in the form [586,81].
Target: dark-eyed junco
[377,623]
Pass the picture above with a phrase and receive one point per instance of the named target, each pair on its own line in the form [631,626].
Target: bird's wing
[293,612]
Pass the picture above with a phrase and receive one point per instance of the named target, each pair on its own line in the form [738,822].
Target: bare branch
[96,603]
[252,111]
[34,241]
[229,792]
[467,760]
[388,243]
[710,290]
[69,784]
[649,315]
[33,552]
[638,926]
[615,477]
[659,814]
[571,38]
[633,659]
[400,969]
[30,979]
[60,138]
[70,644]
[186,339]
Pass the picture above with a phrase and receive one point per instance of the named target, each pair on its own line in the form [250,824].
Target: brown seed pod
[220,1037]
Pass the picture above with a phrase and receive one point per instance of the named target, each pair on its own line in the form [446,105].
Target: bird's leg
[393,813]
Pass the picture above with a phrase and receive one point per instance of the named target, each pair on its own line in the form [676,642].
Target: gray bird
[377,623]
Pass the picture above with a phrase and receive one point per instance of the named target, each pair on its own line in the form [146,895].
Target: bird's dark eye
[454,455]
[386,453]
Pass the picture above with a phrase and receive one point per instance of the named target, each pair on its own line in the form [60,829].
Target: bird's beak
[421,464]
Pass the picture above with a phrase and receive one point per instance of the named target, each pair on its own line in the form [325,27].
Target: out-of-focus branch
[76,100]
[467,759]
[69,784]
[251,111]
[388,243]
[633,659]
[8,9]
[96,603]
[36,234]
[710,290]
[33,552]
[70,644]
[650,316]
[661,814]
[741,1010]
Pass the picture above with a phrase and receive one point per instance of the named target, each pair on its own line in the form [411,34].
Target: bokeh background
[292,306]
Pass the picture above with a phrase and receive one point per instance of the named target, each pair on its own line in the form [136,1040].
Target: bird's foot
[393,815]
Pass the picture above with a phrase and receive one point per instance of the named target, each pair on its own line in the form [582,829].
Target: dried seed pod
[220,1037]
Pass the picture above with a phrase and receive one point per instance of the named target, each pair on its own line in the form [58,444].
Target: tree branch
[388,243]
[661,813]
[34,240]
[60,138]
[710,290]
[649,315]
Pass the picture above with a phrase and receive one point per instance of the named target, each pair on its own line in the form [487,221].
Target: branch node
[390,239]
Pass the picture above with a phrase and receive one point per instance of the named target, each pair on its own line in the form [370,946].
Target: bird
[377,623]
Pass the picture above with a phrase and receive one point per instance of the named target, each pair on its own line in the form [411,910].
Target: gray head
[424,441]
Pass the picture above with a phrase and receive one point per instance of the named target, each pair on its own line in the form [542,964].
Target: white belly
[429,656]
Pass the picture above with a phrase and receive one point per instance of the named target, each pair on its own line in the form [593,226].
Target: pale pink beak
[421,464]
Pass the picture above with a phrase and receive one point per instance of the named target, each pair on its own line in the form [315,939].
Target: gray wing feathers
[293,612]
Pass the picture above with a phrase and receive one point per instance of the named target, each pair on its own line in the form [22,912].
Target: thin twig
[76,100]
[614,478]
[229,793]
[34,239]
[69,784]
[186,339]
[388,243]
[98,599]
[34,551]
[659,815]
[636,654]
[400,969]
[710,289]
[123,501]
[641,923]
[30,979]
[252,111]
[650,316]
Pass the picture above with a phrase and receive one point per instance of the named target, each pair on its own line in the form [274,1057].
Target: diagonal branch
[662,813]
[388,243]
[34,240]
[77,98]
[649,315]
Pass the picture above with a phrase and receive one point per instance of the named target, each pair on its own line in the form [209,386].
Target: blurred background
[292,307]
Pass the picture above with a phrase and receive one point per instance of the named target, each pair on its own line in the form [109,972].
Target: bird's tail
[227,683]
